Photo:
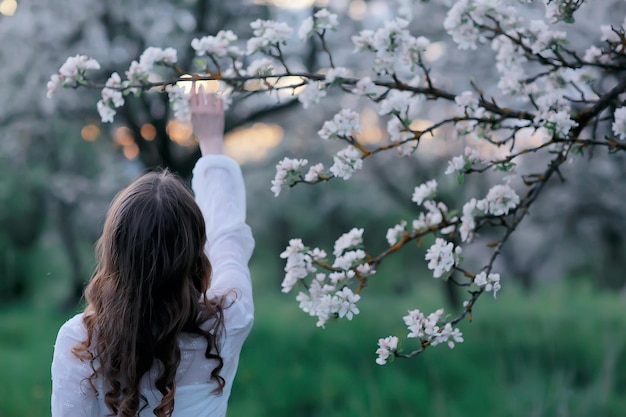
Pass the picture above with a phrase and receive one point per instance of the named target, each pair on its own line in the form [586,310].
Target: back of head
[150,277]
[153,239]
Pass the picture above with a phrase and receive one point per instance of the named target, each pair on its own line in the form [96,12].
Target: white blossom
[424,191]
[298,265]
[608,34]
[365,270]
[75,66]
[287,171]
[395,233]
[262,66]
[52,84]
[348,259]
[112,93]
[351,239]
[321,21]
[490,283]
[338,277]
[433,217]
[364,41]
[179,102]
[619,125]
[464,18]
[468,221]
[469,105]
[414,48]
[337,74]
[427,328]
[386,347]
[365,87]
[314,173]
[306,29]
[347,303]
[220,45]
[342,125]
[593,54]
[107,113]
[389,44]
[538,36]
[460,163]
[500,199]
[509,63]
[267,33]
[72,72]
[396,102]
[311,94]
[442,256]
[112,98]
[136,74]
[446,334]
[346,162]
[398,132]
[156,56]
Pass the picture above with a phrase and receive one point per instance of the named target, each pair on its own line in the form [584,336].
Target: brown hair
[148,288]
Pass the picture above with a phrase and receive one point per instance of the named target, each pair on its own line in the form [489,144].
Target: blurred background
[552,344]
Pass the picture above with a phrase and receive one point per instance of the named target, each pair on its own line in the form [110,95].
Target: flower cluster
[386,347]
[299,263]
[428,328]
[346,162]
[459,164]
[489,282]
[224,43]
[393,47]
[72,72]
[327,295]
[267,34]
[396,233]
[425,191]
[179,102]
[619,125]
[499,200]
[442,256]
[320,22]
[341,126]
[156,56]
[554,114]
[311,94]
[288,170]
[465,18]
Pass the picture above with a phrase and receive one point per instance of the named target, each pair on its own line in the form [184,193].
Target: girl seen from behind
[170,303]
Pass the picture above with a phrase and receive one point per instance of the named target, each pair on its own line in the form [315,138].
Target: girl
[170,303]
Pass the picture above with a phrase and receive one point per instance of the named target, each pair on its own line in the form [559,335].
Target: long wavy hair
[148,288]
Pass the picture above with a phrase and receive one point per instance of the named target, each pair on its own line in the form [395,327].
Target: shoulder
[72,330]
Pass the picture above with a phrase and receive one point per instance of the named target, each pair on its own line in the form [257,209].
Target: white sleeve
[220,192]
[72,396]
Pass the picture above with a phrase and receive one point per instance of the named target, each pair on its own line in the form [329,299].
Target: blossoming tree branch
[548,90]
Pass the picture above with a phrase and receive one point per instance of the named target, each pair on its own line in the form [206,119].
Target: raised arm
[220,192]
[207,119]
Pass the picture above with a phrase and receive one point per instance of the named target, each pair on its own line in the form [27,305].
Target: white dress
[220,193]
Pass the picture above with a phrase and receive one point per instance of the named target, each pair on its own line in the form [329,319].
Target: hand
[207,119]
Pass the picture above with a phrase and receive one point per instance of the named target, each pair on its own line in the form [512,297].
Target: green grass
[26,344]
[561,352]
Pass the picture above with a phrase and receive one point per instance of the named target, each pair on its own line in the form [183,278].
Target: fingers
[202,100]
